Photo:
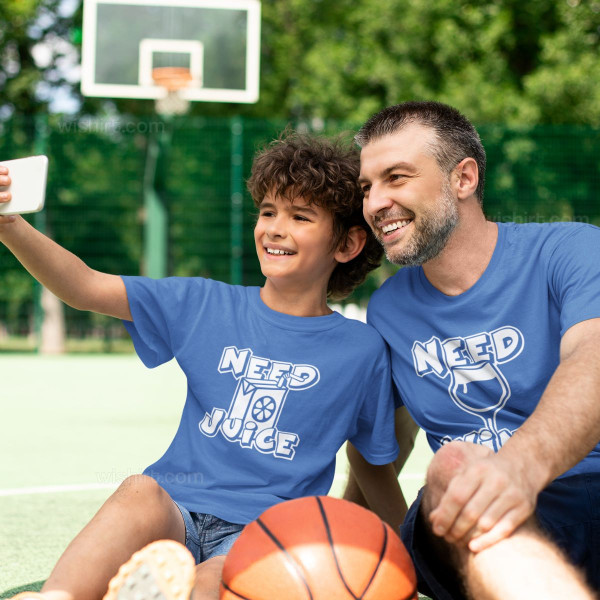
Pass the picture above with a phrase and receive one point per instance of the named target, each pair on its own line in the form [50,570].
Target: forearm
[59,270]
[565,426]
[380,488]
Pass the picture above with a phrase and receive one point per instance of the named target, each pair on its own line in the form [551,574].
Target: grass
[85,419]
[87,345]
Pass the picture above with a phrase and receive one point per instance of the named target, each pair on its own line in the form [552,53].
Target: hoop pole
[156,215]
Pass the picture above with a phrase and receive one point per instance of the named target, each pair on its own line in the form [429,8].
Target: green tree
[27,26]
[565,88]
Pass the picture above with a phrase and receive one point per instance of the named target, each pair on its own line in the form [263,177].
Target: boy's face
[294,241]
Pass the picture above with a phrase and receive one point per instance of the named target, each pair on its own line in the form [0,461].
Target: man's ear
[352,245]
[467,178]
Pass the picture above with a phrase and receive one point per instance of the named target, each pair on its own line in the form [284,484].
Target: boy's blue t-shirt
[473,367]
[271,397]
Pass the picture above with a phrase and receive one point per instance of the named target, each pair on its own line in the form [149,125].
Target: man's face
[408,200]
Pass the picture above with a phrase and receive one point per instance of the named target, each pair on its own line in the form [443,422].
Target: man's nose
[377,199]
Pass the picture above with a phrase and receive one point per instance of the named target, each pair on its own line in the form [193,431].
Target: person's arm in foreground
[63,273]
[376,486]
[490,498]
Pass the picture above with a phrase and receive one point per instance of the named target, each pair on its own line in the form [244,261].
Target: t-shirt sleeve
[574,276]
[373,321]
[155,305]
[375,437]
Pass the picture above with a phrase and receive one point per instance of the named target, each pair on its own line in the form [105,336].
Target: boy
[276,380]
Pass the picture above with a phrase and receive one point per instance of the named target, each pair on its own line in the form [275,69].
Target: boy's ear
[352,246]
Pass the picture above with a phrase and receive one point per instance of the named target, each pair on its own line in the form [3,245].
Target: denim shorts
[206,535]
[568,510]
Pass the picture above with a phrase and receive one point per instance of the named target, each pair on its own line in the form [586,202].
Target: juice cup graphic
[481,390]
[257,402]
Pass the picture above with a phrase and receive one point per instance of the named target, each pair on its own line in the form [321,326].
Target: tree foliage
[497,60]
[34,44]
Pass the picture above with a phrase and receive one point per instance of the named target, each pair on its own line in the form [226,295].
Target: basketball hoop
[173,80]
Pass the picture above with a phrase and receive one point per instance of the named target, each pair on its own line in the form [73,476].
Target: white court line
[54,489]
[84,487]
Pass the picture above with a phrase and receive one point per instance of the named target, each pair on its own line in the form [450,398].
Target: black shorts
[568,509]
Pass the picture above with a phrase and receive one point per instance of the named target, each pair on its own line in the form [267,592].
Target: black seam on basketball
[289,557]
[383,549]
[330,538]
[234,592]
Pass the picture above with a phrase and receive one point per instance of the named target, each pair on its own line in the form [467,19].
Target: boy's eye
[300,218]
[266,213]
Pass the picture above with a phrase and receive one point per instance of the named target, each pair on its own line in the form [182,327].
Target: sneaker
[163,570]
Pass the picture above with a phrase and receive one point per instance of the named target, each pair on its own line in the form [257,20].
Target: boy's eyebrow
[305,209]
[399,165]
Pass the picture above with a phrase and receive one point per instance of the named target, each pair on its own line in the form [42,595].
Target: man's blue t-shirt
[473,367]
[271,397]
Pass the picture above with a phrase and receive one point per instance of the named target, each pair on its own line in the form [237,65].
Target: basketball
[318,548]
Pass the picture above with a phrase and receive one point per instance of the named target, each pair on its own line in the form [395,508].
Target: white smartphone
[27,187]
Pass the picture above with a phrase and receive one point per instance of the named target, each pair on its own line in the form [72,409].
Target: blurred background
[526,73]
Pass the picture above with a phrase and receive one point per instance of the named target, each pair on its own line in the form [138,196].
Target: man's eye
[396,177]
[365,189]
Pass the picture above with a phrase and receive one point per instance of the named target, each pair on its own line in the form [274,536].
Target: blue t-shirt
[473,367]
[271,397]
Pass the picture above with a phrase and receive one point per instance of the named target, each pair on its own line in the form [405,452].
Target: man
[493,331]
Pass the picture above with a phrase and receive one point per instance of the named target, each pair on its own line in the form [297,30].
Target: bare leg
[526,565]
[139,512]
[208,579]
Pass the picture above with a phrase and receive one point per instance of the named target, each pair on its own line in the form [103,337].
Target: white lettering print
[476,383]
[263,385]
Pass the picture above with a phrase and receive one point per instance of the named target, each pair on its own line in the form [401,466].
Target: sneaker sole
[163,570]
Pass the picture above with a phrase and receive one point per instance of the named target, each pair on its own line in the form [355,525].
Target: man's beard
[430,235]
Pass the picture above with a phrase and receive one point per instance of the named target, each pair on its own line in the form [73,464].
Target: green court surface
[73,427]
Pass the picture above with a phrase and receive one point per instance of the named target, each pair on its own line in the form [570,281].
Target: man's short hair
[457,137]
[323,172]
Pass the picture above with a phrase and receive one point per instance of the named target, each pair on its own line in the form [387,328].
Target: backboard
[217,40]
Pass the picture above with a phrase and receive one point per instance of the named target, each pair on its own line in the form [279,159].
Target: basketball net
[173,80]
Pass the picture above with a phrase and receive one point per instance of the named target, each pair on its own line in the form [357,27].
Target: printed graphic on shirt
[263,386]
[476,383]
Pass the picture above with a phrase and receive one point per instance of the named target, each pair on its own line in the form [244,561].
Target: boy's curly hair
[323,172]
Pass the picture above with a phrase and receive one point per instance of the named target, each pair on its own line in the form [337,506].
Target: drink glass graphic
[481,390]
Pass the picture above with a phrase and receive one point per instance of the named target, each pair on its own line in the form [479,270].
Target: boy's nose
[276,228]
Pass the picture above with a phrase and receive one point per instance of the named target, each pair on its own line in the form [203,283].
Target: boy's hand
[5,195]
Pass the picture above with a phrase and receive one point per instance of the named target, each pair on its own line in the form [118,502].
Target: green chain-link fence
[96,205]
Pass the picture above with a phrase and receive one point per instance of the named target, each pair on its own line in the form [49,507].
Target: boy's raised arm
[63,273]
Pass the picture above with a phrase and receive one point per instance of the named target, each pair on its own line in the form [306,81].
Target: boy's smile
[273,250]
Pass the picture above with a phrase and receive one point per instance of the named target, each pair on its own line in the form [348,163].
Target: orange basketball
[318,548]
